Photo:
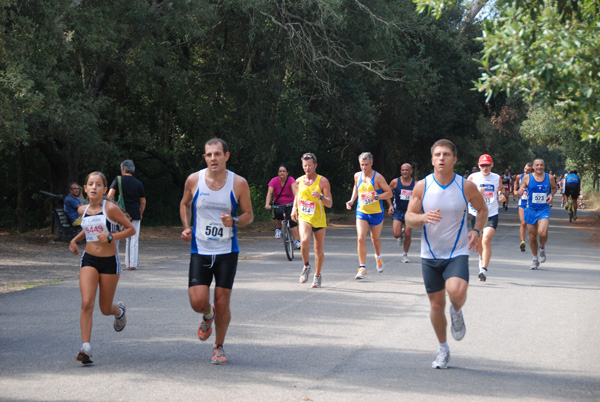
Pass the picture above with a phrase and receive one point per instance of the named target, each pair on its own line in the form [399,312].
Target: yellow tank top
[368,206]
[310,209]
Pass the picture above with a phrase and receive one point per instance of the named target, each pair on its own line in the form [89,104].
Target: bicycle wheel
[288,240]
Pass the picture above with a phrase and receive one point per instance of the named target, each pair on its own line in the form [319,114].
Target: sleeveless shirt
[537,192]
[448,237]
[93,225]
[490,192]
[311,209]
[368,206]
[402,194]
[210,236]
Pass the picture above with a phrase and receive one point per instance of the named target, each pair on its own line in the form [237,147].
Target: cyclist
[283,189]
[572,189]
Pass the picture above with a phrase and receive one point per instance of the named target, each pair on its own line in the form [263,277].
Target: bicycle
[286,231]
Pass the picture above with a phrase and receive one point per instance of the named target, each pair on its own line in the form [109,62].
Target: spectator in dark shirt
[135,204]
[72,201]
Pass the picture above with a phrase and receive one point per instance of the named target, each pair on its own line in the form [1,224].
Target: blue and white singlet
[448,237]
[210,236]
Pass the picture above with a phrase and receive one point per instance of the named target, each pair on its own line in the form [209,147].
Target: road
[531,335]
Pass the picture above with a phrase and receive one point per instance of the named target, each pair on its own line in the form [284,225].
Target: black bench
[62,226]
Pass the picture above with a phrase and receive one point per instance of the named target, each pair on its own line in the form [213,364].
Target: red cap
[485,159]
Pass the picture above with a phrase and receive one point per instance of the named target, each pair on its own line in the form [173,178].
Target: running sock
[362,266]
[306,264]
[377,256]
[405,253]
[445,345]
[535,258]
[218,345]
[122,312]
[86,346]
[210,315]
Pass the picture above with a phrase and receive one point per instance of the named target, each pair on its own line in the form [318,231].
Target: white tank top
[490,192]
[211,237]
[448,237]
[93,225]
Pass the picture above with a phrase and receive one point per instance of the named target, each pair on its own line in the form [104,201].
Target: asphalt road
[531,335]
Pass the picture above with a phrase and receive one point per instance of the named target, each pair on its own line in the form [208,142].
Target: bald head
[406,170]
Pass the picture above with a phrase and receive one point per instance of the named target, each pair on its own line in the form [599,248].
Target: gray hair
[365,155]
[128,166]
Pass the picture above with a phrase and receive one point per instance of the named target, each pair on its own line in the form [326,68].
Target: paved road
[531,335]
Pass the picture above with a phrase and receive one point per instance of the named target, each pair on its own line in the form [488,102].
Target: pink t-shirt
[287,195]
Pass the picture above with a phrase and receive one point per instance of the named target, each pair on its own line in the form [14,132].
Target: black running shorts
[437,272]
[203,267]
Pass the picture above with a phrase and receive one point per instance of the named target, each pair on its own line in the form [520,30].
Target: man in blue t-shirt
[72,201]
[135,204]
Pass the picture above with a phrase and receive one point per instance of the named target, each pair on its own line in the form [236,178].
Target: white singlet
[448,237]
[211,237]
[490,192]
[93,225]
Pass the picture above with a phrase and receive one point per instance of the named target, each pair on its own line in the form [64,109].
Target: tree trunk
[20,163]
[63,164]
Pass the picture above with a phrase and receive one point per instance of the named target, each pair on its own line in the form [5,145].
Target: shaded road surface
[531,335]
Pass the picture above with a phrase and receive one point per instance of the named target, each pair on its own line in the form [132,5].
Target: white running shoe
[122,321]
[362,273]
[304,275]
[458,324]
[482,274]
[379,264]
[405,259]
[297,245]
[317,281]
[534,264]
[542,254]
[278,233]
[442,359]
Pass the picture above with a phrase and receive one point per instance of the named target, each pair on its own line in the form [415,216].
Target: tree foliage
[86,84]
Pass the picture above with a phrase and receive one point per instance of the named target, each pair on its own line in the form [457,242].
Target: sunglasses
[485,165]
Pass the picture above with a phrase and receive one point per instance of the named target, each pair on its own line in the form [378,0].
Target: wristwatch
[322,196]
[110,237]
[376,197]
[478,232]
[236,221]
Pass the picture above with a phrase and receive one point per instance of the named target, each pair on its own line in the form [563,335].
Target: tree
[546,50]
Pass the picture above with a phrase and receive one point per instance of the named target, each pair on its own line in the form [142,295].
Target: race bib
[405,195]
[209,230]
[307,207]
[93,226]
[538,198]
[488,193]
[363,198]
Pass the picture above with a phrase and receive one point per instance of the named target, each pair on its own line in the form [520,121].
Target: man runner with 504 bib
[210,200]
